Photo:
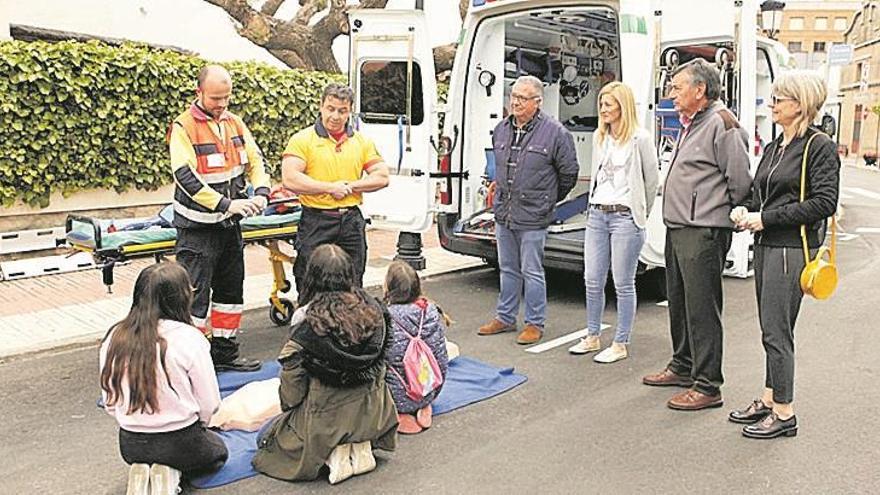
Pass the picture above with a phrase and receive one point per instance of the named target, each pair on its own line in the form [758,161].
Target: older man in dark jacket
[536,167]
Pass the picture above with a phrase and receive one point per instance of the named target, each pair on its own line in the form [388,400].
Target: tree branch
[255,26]
[334,23]
[307,9]
[238,9]
[271,7]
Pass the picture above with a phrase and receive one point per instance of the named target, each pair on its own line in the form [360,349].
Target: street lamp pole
[771,17]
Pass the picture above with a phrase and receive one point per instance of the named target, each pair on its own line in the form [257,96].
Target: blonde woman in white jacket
[624,184]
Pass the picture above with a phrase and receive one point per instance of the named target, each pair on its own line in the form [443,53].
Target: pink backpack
[419,365]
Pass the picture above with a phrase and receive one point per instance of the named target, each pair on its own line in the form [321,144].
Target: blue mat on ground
[468,381]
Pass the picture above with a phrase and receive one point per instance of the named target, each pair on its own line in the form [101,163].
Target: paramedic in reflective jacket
[536,166]
[211,153]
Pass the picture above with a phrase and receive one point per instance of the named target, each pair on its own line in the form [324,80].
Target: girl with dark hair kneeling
[158,381]
[336,406]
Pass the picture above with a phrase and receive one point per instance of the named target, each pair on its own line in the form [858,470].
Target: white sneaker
[164,480]
[614,352]
[590,343]
[340,464]
[362,460]
[138,480]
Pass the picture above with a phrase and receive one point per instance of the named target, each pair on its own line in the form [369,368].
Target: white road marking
[844,236]
[664,303]
[558,341]
[868,230]
[844,195]
[862,192]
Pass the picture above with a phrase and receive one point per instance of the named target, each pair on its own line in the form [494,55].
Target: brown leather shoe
[691,400]
[667,378]
[495,326]
[530,334]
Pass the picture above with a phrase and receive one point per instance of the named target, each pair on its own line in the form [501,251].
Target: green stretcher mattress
[114,235]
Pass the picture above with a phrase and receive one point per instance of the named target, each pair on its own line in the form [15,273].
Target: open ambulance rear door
[391,71]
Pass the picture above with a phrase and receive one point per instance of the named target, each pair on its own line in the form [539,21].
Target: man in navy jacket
[536,166]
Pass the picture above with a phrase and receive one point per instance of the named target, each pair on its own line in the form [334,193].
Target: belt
[333,212]
[612,208]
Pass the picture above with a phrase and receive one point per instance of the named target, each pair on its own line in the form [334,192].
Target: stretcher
[112,242]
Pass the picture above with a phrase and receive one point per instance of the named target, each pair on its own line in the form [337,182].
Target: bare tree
[300,43]
[296,42]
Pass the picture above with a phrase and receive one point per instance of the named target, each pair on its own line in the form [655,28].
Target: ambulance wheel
[281,318]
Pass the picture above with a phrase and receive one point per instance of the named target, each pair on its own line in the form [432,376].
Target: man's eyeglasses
[523,99]
[774,100]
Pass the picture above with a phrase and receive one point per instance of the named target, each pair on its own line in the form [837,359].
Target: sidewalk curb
[121,304]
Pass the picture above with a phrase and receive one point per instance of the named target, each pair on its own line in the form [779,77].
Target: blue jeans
[520,258]
[611,238]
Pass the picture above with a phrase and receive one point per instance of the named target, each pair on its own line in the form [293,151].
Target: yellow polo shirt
[329,160]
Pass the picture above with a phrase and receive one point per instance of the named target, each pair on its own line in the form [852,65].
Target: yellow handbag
[819,277]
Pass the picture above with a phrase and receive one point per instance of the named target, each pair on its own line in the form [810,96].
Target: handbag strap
[832,250]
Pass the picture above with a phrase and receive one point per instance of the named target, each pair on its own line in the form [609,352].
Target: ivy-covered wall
[77,116]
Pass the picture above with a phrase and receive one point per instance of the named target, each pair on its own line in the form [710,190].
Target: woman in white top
[158,382]
[624,183]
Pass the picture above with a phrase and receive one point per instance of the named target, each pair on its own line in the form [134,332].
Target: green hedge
[78,116]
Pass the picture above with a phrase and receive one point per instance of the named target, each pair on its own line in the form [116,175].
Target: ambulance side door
[392,73]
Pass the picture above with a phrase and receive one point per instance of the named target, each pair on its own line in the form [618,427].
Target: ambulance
[441,157]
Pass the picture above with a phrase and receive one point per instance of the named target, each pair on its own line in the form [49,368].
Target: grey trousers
[778,290]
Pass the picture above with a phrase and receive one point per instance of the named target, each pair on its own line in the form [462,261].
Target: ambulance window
[383,92]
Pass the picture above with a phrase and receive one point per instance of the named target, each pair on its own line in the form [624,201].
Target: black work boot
[224,353]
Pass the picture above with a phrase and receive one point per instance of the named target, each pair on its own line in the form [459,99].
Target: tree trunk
[444,56]
[302,45]
[296,42]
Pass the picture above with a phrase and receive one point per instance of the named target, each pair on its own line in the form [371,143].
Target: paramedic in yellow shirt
[330,165]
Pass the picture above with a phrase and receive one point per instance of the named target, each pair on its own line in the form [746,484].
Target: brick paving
[53,310]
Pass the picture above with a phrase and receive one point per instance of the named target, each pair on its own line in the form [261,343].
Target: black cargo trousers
[345,227]
[214,260]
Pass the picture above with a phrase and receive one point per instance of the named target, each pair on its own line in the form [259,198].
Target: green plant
[77,116]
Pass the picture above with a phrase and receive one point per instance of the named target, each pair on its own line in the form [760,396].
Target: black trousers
[347,230]
[214,260]
[778,290]
[695,260]
[193,450]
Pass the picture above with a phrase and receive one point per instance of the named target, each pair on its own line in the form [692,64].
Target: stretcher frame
[280,308]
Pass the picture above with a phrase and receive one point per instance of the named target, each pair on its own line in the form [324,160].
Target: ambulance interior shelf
[119,240]
[569,51]
[481,225]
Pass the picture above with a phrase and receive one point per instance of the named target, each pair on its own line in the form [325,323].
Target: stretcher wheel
[281,318]
[285,287]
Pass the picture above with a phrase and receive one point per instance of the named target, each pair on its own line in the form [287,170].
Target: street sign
[840,54]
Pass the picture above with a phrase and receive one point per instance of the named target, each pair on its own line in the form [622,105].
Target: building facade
[860,84]
[810,27]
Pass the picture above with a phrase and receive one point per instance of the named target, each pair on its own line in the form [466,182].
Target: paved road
[574,427]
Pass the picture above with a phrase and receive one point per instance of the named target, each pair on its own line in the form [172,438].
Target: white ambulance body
[574,46]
